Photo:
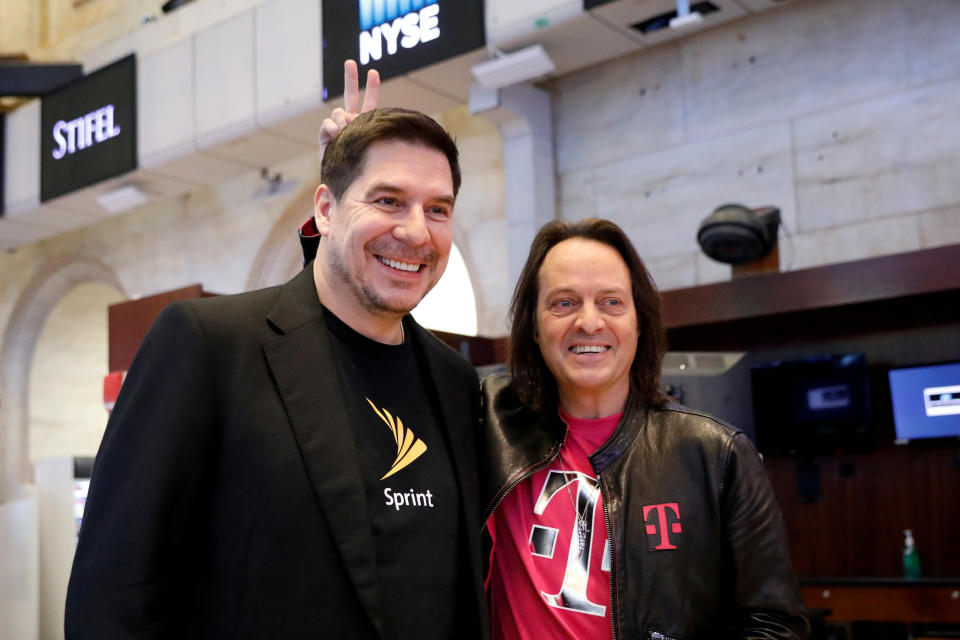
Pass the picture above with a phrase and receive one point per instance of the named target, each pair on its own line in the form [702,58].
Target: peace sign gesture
[341,117]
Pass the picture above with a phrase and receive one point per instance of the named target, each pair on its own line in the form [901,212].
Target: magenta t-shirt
[550,569]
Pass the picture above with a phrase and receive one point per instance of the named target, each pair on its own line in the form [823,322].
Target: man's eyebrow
[386,187]
[573,290]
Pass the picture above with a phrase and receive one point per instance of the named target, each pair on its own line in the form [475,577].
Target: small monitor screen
[926,401]
[812,405]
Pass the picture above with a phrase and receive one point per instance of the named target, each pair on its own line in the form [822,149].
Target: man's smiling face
[386,242]
[587,323]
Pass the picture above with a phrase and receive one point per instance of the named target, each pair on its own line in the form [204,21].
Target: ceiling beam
[36,79]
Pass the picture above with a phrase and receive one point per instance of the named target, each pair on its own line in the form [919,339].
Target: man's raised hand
[341,117]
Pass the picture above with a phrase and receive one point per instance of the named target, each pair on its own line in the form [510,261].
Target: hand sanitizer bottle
[911,559]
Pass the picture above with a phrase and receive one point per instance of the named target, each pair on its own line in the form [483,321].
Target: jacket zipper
[656,635]
[554,454]
[613,557]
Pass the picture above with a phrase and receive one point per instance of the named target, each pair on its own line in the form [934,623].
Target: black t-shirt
[410,487]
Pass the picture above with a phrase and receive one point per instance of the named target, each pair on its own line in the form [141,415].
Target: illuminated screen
[81,486]
[812,405]
[396,36]
[926,401]
[88,130]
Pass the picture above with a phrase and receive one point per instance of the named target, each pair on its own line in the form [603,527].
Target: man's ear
[323,201]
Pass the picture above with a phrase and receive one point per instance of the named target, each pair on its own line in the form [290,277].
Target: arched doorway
[30,314]
[65,402]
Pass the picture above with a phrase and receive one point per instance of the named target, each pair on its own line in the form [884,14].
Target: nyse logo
[85,131]
[396,23]
[662,520]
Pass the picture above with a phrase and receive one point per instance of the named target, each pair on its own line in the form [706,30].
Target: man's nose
[412,229]
[589,319]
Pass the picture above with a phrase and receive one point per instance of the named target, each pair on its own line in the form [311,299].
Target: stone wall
[844,113]
[66,411]
[58,30]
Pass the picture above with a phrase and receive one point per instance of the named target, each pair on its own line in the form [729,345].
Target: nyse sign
[409,30]
[85,131]
[396,36]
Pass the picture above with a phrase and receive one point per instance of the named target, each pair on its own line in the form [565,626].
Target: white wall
[19,557]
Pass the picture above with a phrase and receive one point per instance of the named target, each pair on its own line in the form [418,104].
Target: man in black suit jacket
[297,462]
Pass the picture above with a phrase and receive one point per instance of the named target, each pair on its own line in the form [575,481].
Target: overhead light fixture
[672,18]
[685,17]
[122,199]
[513,68]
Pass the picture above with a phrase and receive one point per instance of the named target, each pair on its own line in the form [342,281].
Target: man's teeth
[588,348]
[396,264]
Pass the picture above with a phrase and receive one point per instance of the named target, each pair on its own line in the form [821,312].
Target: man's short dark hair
[531,377]
[344,157]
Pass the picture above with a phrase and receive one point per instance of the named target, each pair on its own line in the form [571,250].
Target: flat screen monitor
[813,405]
[926,401]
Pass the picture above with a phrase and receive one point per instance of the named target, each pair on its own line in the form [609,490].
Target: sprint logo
[409,446]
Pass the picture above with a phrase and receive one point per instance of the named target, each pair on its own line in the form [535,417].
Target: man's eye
[388,201]
[563,304]
[439,211]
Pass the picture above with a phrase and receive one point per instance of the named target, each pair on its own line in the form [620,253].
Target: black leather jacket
[700,545]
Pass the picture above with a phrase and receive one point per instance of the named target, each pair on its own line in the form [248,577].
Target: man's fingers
[351,86]
[328,131]
[340,117]
[371,96]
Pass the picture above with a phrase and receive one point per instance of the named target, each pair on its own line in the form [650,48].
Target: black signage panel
[88,130]
[3,166]
[395,36]
[590,4]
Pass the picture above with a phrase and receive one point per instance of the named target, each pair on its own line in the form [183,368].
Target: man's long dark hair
[531,378]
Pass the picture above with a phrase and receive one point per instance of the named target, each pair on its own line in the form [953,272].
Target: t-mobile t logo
[661,521]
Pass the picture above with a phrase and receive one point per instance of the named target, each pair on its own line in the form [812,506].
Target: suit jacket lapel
[453,409]
[456,419]
[302,365]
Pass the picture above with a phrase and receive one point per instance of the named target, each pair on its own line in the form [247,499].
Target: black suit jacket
[226,499]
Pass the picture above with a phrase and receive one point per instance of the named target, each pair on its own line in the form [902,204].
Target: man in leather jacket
[613,514]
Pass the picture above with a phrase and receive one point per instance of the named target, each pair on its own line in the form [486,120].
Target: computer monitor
[926,401]
[814,405]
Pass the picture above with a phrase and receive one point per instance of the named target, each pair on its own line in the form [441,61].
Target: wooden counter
[885,599]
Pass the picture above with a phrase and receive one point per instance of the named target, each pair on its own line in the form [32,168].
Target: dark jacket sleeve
[146,490]
[767,593]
